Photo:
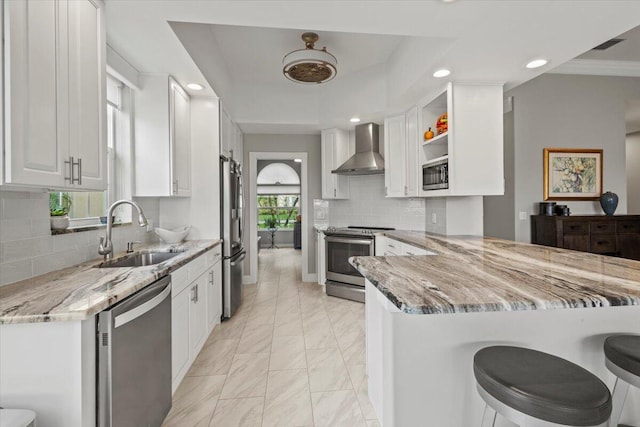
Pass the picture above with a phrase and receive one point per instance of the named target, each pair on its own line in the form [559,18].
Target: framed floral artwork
[572,174]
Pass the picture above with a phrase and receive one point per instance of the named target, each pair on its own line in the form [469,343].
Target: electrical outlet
[434,218]
[523,216]
[149,225]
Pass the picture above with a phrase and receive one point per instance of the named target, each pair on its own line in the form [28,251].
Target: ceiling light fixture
[195,86]
[354,120]
[537,63]
[310,65]
[441,73]
[297,160]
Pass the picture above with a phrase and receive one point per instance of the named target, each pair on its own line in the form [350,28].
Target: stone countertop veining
[479,274]
[79,292]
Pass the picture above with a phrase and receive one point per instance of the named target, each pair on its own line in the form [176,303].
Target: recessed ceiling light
[354,119]
[297,160]
[195,86]
[441,73]
[537,63]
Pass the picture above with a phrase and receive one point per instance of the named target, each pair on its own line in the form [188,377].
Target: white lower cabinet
[321,262]
[391,247]
[196,307]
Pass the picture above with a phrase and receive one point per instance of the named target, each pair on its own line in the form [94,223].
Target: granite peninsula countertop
[79,292]
[480,274]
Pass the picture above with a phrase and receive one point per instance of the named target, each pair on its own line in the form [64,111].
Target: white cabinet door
[55,67]
[34,148]
[87,93]
[180,358]
[321,258]
[163,138]
[239,146]
[335,151]
[395,156]
[226,136]
[411,153]
[214,295]
[180,134]
[197,315]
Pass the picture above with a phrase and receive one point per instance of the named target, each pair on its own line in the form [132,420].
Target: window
[278,186]
[86,208]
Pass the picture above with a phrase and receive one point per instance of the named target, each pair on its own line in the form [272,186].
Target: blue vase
[609,202]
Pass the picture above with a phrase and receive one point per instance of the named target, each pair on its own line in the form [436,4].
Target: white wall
[202,209]
[633,173]
[28,249]
[309,144]
[573,112]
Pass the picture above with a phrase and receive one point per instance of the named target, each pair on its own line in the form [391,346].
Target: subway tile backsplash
[28,249]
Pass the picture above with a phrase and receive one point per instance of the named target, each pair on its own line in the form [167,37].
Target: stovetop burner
[356,230]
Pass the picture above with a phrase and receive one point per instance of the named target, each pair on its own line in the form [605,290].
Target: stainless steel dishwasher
[134,359]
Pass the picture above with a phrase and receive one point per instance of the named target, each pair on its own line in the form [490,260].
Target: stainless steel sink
[139,259]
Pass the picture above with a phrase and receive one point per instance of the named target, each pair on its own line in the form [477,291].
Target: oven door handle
[333,239]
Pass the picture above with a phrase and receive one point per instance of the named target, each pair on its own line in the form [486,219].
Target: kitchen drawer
[213,256]
[628,227]
[394,247]
[603,243]
[197,267]
[413,250]
[575,227]
[602,227]
[179,280]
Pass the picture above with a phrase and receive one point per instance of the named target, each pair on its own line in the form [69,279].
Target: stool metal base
[624,378]
[520,418]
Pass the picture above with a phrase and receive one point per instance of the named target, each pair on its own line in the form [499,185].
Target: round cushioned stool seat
[624,351]
[542,386]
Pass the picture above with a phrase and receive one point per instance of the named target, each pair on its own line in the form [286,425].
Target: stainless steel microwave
[435,176]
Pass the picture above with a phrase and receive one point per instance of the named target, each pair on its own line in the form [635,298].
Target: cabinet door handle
[211,277]
[79,164]
[334,192]
[70,177]
[175,186]
[194,294]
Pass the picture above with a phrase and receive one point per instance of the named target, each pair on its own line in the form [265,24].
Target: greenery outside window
[278,210]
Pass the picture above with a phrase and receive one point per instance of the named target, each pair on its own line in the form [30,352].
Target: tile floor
[291,356]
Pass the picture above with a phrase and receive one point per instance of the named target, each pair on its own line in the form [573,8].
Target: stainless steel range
[343,280]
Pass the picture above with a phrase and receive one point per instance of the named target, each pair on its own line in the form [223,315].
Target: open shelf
[436,160]
[437,140]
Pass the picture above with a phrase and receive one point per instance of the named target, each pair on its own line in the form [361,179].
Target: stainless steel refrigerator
[232,232]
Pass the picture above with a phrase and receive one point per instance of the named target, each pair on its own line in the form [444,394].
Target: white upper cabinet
[231,138]
[473,144]
[163,138]
[400,160]
[55,95]
[239,146]
[335,151]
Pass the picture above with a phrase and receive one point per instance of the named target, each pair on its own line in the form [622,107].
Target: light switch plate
[523,216]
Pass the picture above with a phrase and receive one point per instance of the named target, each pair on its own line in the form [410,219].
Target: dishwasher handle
[140,309]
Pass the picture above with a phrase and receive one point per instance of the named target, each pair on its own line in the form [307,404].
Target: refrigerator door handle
[239,259]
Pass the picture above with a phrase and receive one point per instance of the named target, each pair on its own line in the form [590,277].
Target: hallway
[291,356]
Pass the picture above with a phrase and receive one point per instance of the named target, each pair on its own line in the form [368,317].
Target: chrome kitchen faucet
[106,246]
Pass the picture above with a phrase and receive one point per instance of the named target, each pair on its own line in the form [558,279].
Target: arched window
[278,186]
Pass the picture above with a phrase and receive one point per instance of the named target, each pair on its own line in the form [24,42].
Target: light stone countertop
[479,274]
[81,291]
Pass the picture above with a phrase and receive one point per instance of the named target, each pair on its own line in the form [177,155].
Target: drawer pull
[601,242]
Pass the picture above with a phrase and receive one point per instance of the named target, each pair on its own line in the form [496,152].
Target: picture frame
[572,173]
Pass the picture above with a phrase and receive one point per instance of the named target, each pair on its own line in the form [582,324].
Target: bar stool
[533,388]
[622,354]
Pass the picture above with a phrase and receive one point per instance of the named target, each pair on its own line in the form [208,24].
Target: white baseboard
[248,280]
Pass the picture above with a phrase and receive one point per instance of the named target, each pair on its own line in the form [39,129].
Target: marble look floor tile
[320,338]
[336,409]
[245,412]
[247,376]
[327,370]
[256,339]
[194,401]
[373,423]
[288,352]
[288,400]
[358,375]
[228,329]
[288,324]
[350,336]
[355,354]
[214,358]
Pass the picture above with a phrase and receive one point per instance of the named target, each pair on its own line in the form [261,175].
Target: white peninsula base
[420,367]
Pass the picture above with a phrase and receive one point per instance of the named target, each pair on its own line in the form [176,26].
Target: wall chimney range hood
[367,160]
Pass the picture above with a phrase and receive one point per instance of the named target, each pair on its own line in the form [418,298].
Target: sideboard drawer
[601,227]
[575,227]
[628,227]
[603,243]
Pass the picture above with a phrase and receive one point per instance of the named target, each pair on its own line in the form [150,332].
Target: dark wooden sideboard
[617,235]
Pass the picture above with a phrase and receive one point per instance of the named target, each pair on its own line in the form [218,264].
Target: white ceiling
[386,50]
